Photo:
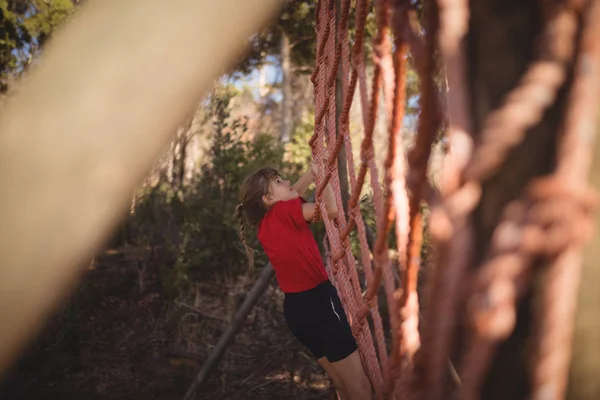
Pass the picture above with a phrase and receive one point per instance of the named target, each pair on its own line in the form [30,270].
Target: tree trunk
[178,159]
[583,380]
[286,90]
[179,154]
[262,80]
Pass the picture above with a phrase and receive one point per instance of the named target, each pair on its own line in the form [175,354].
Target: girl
[312,308]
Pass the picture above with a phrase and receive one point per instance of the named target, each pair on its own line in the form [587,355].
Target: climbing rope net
[550,220]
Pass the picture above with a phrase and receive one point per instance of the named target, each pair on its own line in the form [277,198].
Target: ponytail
[239,213]
[252,209]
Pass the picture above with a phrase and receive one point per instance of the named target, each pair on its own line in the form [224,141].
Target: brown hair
[252,207]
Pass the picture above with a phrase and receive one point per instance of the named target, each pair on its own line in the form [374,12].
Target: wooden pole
[339,106]
[85,128]
[236,324]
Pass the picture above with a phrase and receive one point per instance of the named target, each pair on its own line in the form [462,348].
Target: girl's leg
[337,381]
[354,379]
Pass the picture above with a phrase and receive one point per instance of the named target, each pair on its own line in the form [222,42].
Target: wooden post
[339,106]
[238,320]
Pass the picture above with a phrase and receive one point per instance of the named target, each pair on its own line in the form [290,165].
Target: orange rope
[563,275]
[348,90]
[450,228]
[342,260]
[551,220]
[389,75]
[522,236]
[395,201]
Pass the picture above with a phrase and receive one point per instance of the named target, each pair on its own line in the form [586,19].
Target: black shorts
[316,317]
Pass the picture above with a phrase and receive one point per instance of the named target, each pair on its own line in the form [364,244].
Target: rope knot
[366,154]
[558,216]
[360,321]
[338,254]
[492,307]
[346,245]
[336,266]
[331,166]
[371,303]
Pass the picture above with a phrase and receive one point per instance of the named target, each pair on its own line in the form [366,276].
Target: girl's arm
[308,209]
[329,199]
[303,183]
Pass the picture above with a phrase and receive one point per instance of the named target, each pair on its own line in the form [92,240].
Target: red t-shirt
[291,247]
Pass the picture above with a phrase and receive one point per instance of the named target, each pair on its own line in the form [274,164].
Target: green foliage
[24,28]
[367,208]
[298,150]
[211,229]
[193,230]
[370,31]
[46,16]
[298,23]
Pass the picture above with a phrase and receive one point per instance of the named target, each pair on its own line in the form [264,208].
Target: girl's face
[279,190]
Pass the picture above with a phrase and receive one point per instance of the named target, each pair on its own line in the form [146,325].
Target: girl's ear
[267,200]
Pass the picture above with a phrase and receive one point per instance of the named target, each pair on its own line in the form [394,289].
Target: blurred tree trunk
[583,380]
[179,154]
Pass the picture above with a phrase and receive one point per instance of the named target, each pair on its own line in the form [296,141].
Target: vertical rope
[451,231]
[342,259]
[550,220]
[556,318]
[493,317]
[349,87]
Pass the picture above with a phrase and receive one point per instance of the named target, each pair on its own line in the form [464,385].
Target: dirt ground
[118,337]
